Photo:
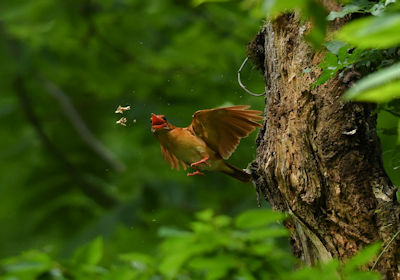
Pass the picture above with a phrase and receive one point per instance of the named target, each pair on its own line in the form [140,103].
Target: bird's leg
[204,160]
[197,172]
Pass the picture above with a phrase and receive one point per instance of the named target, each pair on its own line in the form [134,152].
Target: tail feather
[237,173]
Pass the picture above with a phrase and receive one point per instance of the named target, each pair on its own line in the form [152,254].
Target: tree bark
[319,158]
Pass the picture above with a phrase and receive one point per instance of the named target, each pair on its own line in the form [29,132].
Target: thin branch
[98,195]
[384,250]
[81,128]
[240,81]
[392,112]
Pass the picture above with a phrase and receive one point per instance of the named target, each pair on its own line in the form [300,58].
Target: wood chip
[121,109]
[122,121]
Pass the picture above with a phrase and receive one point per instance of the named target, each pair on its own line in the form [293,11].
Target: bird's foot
[197,172]
[204,160]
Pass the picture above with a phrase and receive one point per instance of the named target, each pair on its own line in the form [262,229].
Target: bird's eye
[164,118]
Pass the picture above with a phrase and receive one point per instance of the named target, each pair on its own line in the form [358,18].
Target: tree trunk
[318,158]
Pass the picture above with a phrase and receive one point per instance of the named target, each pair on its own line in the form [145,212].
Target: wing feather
[222,128]
[172,159]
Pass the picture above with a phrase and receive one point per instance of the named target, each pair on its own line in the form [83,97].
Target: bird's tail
[237,173]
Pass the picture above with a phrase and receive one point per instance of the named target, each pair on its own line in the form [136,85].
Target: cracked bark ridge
[319,158]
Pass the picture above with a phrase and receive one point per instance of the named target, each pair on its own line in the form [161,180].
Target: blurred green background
[77,187]
[68,173]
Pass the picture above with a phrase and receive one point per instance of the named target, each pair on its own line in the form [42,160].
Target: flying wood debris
[122,121]
[121,109]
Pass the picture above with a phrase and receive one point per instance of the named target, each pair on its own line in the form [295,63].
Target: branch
[99,196]
[81,128]
[240,81]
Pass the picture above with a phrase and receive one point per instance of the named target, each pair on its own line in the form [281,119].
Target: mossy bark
[319,158]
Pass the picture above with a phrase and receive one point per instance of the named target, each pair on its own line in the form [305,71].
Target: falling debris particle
[121,121]
[121,109]
[134,121]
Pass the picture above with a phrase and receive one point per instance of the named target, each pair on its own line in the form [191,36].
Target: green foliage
[378,86]
[357,6]
[358,43]
[373,32]
[310,10]
[216,247]
[163,57]
[172,57]
[370,45]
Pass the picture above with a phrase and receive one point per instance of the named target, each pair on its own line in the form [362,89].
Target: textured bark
[318,158]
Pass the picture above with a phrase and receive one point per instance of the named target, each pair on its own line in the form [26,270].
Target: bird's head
[158,122]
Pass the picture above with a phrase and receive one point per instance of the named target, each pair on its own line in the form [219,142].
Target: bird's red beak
[157,122]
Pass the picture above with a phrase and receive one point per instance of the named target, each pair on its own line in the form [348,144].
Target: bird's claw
[197,172]
[204,160]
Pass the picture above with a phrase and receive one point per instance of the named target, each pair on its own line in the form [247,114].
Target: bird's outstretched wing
[172,159]
[222,128]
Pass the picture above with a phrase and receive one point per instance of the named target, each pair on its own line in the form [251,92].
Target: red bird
[210,139]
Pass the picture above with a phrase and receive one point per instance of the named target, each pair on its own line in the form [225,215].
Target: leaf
[330,66]
[199,2]
[315,12]
[172,232]
[205,215]
[377,9]
[213,267]
[136,257]
[334,46]
[90,253]
[372,32]
[258,218]
[367,88]
[355,6]
[29,263]
[380,94]
[276,7]
[263,233]
[362,257]
[222,221]
[363,275]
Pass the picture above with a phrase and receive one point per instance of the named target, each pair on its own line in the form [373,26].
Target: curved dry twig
[240,81]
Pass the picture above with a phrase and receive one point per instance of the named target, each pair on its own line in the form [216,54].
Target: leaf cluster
[214,247]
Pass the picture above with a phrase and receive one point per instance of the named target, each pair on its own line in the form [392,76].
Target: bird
[208,141]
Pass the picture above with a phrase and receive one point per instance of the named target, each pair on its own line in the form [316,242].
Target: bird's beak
[157,122]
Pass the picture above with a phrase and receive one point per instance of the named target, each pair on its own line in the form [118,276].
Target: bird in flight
[208,141]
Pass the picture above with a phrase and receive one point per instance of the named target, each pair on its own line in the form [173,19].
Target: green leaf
[29,263]
[362,275]
[334,46]
[222,221]
[205,215]
[276,7]
[136,257]
[263,233]
[199,2]
[90,253]
[372,32]
[315,12]
[362,258]
[377,87]
[380,94]
[377,9]
[355,6]
[213,267]
[172,232]
[258,218]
